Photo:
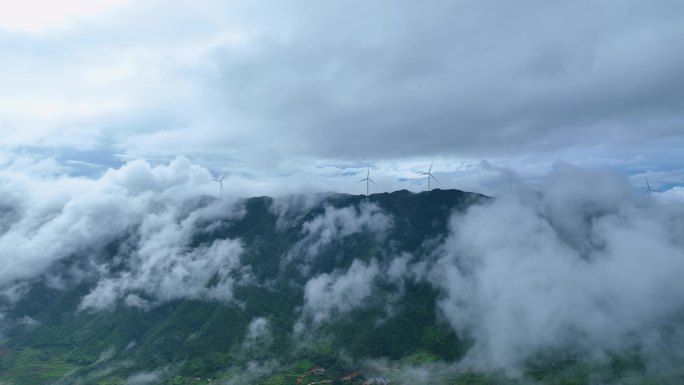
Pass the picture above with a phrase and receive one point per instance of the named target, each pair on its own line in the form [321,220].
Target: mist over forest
[580,268]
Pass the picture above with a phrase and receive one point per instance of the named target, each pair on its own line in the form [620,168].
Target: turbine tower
[367,179]
[649,190]
[220,182]
[509,180]
[429,175]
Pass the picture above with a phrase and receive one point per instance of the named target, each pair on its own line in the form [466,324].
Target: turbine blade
[224,175]
[371,180]
[431,163]
[433,177]
[361,181]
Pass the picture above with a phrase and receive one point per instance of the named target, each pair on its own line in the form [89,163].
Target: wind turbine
[509,180]
[367,179]
[429,175]
[220,181]
[649,190]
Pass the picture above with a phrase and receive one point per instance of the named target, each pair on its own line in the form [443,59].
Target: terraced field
[32,366]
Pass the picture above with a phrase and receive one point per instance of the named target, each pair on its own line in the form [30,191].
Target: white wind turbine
[509,180]
[429,175]
[649,190]
[220,182]
[367,179]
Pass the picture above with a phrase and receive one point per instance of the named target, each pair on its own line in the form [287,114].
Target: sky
[115,115]
[295,96]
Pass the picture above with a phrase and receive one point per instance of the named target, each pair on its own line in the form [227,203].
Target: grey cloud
[146,377]
[336,223]
[381,80]
[585,264]
[339,292]
[258,330]
[290,208]
[399,267]
[166,272]
[151,212]
[675,194]
[342,222]
[467,77]
[28,321]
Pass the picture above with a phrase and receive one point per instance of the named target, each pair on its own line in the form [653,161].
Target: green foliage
[202,339]
[419,359]
[303,366]
[182,380]
[112,381]
[626,363]
[277,379]
[194,367]
[32,366]
[472,378]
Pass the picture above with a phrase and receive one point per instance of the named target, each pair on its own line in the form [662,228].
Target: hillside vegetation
[338,282]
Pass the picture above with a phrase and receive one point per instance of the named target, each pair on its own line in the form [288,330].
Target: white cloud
[31,164]
[257,330]
[212,79]
[143,378]
[290,208]
[28,321]
[169,273]
[585,263]
[336,223]
[673,194]
[339,292]
[150,212]
[35,16]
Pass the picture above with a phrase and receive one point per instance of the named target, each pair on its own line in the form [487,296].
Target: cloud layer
[270,90]
[337,223]
[584,264]
[339,292]
[133,228]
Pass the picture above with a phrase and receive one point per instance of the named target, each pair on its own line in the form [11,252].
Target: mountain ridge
[260,290]
[52,319]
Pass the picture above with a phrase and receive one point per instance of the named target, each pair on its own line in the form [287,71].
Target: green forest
[49,338]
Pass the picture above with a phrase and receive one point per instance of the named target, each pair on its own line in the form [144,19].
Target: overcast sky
[294,95]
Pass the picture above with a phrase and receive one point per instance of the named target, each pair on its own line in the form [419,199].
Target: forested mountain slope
[395,286]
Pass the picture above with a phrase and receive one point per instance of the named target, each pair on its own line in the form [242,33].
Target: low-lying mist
[579,263]
[582,263]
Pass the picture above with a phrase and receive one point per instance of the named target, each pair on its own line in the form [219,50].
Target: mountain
[265,290]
